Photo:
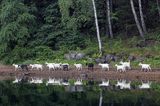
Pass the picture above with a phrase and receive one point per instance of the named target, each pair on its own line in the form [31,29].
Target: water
[24,93]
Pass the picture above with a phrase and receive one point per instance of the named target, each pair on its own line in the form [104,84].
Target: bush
[26,55]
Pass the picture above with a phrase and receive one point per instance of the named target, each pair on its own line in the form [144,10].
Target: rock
[99,60]
[110,57]
[140,59]
[131,58]
[67,56]
[79,56]
[115,58]
[74,56]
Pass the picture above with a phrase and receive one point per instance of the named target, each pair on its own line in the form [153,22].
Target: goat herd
[122,66]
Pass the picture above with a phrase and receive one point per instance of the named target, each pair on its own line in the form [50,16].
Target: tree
[16,25]
[157,1]
[97,27]
[136,20]
[142,17]
[109,18]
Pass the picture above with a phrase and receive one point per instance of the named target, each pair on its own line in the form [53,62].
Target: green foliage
[43,53]
[30,29]
[15,20]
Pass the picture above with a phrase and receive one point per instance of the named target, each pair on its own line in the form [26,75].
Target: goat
[90,66]
[23,66]
[104,66]
[37,66]
[65,66]
[57,66]
[16,66]
[126,64]
[78,66]
[20,66]
[145,67]
[51,66]
[120,67]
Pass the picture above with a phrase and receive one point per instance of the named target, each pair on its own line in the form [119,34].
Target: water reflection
[145,85]
[78,82]
[53,81]
[36,81]
[17,80]
[123,84]
[104,83]
[75,85]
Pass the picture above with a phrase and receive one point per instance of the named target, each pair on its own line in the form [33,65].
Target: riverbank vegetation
[38,31]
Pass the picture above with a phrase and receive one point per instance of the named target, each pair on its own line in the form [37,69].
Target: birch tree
[97,27]
[109,19]
[136,20]
[142,17]
[158,7]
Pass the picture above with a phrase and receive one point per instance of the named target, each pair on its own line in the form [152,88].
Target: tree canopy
[67,24]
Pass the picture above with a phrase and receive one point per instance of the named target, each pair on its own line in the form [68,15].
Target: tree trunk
[142,18]
[136,20]
[109,19]
[158,7]
[97,27]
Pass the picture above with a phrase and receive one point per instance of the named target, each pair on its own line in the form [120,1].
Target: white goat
[120,67]
[104,66]
[126,64]
[51,66]
[16,66]
[145,67]
[57,66]
[78,66]
[37,66]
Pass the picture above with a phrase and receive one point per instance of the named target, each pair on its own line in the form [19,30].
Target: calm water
[71,92]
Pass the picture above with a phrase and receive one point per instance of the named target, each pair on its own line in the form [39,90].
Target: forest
[37,30]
